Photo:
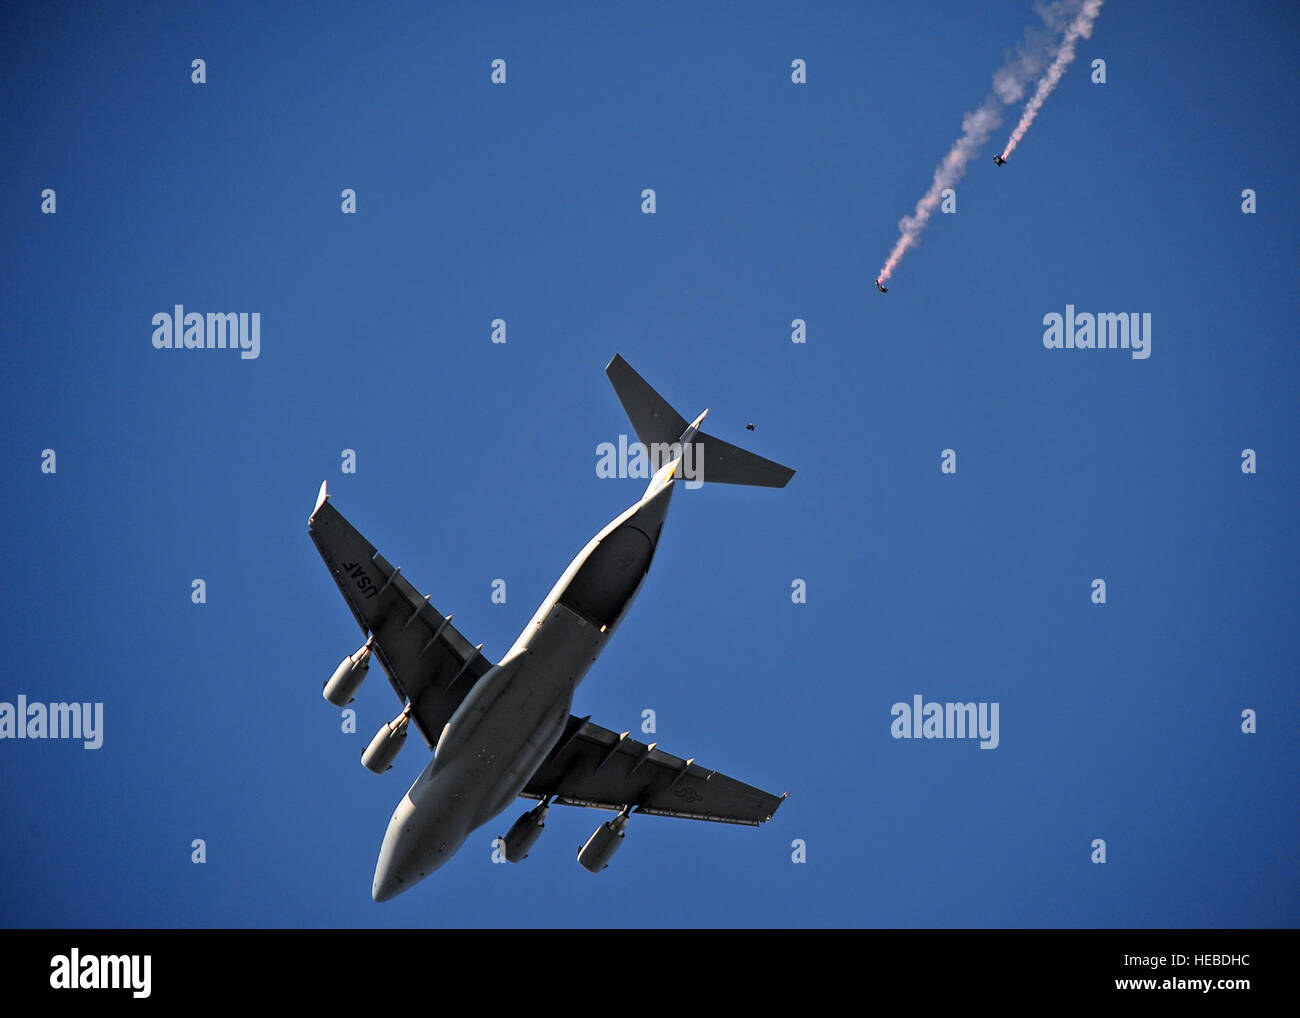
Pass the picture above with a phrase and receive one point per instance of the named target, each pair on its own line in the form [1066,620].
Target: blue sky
[476,461]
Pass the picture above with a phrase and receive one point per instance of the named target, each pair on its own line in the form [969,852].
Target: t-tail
[667,436]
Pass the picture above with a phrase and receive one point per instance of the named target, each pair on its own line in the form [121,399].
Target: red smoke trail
[976,127]
[1080,28]
[1009,85]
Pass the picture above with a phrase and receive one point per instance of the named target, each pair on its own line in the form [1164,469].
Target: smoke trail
[976,127]
[1010,83]
[1080,28]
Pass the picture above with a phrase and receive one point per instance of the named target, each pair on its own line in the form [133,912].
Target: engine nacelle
[524,834]
[604,842]
[347,678]
[383,748]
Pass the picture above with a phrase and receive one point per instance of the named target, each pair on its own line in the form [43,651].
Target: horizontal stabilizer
[657,424]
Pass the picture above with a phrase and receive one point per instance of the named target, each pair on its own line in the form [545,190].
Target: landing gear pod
[347,678]
[595,855]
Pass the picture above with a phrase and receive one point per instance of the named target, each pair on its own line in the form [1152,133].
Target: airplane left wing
[592,766]
[427,660]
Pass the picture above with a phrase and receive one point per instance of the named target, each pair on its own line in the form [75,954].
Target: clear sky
[476,461]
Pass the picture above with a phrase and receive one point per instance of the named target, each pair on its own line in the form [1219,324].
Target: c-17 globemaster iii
[502,731]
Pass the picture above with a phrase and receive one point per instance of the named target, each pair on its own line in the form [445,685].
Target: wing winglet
[321,496]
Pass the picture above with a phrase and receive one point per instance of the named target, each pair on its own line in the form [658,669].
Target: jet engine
[382,751]
[347,678]
[525,832]
[604,842]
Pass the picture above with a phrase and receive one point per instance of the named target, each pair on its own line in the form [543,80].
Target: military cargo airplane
[503,730]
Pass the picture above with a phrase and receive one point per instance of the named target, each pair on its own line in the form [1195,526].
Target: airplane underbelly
[492,745]
[513,733]
[515,764]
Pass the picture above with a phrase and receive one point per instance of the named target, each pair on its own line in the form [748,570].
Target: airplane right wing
[592,766]
[427,660]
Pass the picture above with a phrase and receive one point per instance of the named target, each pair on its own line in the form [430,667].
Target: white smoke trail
[976,127]
[1010,83]
[1080,28]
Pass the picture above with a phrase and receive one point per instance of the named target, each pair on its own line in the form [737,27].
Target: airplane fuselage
[515,714]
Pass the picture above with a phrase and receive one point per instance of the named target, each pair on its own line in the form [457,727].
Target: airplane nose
[389,882]
[387,885]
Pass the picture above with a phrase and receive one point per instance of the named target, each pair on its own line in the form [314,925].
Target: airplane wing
[592,766]
[427,660]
